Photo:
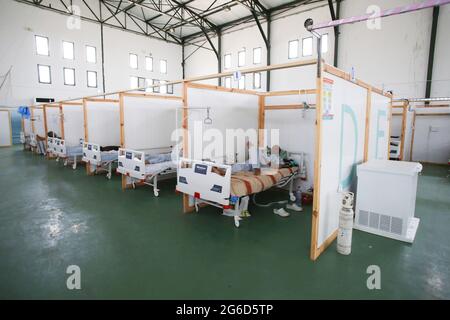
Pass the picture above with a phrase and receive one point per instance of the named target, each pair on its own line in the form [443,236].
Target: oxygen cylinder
[344,240]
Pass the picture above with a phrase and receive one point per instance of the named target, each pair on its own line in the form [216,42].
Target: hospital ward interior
[224,150]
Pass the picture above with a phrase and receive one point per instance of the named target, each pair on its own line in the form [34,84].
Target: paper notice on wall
[328,112]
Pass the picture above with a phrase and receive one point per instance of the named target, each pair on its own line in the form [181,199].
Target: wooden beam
[412,137]
[61,121]
[403,133]
[122,134]
[367,127]
[86,133]
[288,107]
[217,88]
[314,252]
[261,120]
[102,100]
[289,92]
[150,96]
[185,128]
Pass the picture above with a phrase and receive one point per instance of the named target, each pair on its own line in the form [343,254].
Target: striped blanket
[245,182]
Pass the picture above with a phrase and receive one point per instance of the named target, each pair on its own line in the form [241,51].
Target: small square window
[133,61]
[148,83]
[69,77]
[241,58]
[44,74]
[227,61]
[257,55]
[163,87]
[228,83]
[92,79]
[68,50]
[163,66]
[170,89]
[241,83]
[141,84]
[134,82]
[324,43]
[156,83]
[91,54]
[42,48]
[293,49]
[257,80]
[149,63]
[307,48]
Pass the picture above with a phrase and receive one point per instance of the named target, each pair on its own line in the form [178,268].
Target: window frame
[146,64]
[36,47]
[95,55]
[225,61]
[74,77]
[166,66]
[239,54]
[73,50]
[243,78]
[260,80]
[87,78]
[260,55]
[303,47]
[156,83]
[49,73]
[289,49]
[137,61]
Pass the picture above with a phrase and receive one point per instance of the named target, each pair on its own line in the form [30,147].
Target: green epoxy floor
[130,245]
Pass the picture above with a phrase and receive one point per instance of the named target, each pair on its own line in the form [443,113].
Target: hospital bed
[215,184]
[146,166]
[51,146]
[25,140]
[68,153]
[33,142]
[100,160]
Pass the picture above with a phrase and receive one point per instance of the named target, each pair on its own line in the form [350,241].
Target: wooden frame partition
[45,106]
[85,122]
[122,118]
[316,250]
[413,133]
[404,106]
[10,128]
[185,121]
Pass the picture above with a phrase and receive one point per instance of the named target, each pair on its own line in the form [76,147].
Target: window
[241,58]
[91,54]
[149,63]
[324,43]
[155,83]
[293,49]
[163,87]
[133,61]
[170,88]
[68,50]
[257,80]
[227,61]
[307,46]
[241,84]
[228,83]
[163,66]
[42,46]
[44,74]
[141,84]
[148,83]
[69,77]
[257,55]
[92,79]
[134,82]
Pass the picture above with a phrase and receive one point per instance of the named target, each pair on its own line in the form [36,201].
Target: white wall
[19,23]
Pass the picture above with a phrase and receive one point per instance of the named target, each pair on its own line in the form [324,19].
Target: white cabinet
[386,198]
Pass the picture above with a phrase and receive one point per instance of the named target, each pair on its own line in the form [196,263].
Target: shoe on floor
[281,212]
[294,207]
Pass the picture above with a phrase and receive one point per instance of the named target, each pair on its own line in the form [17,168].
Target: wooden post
[122,133]
[412,136]
[61,120]
[261,120]
[86,133]
[368,115]
[185,128]
[44,111]
[390,129]
[317,168]
[403,133]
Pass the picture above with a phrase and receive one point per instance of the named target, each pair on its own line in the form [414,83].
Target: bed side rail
[33,141]
[131,163]
[204,180]
[91,153]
